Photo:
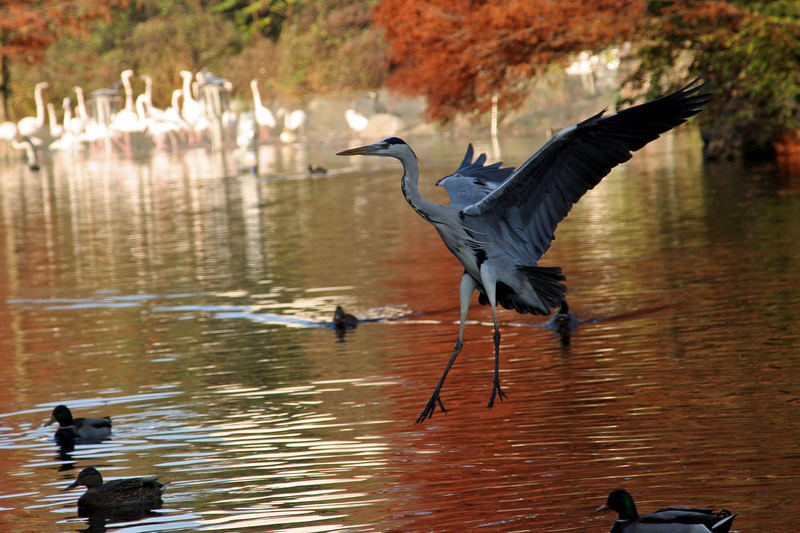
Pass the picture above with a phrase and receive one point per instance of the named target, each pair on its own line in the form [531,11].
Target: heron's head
[389,147]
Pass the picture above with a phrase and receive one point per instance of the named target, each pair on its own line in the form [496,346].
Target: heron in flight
[500,221]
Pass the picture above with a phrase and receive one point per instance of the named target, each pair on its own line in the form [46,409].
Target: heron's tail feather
[546,281]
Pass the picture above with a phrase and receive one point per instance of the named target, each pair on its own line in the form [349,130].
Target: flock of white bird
[189,119]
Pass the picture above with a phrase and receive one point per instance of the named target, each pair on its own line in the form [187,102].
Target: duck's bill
[361,150]
[52,419]
[603,507]
[71,486]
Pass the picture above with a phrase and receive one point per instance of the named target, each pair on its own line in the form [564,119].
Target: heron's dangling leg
[465,291]
[489,281]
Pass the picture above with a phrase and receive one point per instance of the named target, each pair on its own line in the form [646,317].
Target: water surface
[192,303]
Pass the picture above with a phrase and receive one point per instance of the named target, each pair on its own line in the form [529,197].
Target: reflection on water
[193,305]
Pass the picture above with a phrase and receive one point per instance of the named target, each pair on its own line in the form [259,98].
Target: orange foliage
[459,53]
[28,27]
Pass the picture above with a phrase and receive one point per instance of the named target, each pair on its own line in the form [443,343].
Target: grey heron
[672,519]
[500,221]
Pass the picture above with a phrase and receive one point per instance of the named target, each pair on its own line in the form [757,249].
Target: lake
[191,302]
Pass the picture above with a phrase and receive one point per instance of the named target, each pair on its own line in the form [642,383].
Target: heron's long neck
[410,187]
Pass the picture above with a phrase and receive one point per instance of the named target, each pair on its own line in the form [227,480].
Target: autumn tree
[748,52]
[330,45]
[29,27]
[460,53]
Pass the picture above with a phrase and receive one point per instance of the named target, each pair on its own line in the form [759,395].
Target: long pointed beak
[603,507]
[71,486]
[52,419]
[361,150]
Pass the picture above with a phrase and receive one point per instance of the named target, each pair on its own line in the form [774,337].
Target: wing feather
[472,181]
[523,211]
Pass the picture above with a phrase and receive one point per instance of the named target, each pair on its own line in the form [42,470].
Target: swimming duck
[563,322]
[131,492]
[83,430]
[342,320]
[666,520]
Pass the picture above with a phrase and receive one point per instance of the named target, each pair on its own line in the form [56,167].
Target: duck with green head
[666,520]
[79,430]
[136,492]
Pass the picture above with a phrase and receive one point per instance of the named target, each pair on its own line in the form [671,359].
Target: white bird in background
[29,146]
[8,131]
[161,127]
[126,119]
[292,123]
[56,129]
[264,117]
[501,221]
[191,110]
[68,138]
[173,112]
[129,119]
[125,77]
[89,129]
[28,126]
[162,124]
[81,118]
[356,120]
[148,89]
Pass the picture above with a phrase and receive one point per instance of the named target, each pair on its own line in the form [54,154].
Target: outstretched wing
[523,212]
[472,181]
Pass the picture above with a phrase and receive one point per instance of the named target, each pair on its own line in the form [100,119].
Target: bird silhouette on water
[500,221]
[73,431]
[342,322]
[136,492]
[666,520]
[563,323]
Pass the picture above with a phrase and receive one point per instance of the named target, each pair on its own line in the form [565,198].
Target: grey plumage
[500,221]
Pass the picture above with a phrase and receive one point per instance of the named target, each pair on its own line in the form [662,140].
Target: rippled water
[192,304]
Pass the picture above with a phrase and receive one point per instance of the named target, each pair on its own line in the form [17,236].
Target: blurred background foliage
[293,47]
[746,50]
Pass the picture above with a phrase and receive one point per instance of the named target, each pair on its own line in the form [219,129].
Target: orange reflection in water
[683,387]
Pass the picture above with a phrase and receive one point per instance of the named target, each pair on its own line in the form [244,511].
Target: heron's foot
[431,407]
[497,392]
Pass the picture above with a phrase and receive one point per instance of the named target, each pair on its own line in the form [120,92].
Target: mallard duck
[83,430]
[667,520]
[131,492]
